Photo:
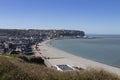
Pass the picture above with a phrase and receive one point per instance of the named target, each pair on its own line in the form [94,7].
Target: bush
[32,59]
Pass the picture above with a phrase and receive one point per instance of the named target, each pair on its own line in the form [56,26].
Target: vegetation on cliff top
[16,67]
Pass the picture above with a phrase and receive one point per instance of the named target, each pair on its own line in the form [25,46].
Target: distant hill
[37,32]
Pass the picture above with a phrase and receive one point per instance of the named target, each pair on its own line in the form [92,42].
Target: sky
[91,16]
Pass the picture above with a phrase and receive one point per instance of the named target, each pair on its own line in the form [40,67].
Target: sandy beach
[55,56]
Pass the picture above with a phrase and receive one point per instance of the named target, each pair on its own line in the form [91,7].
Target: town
[16,41]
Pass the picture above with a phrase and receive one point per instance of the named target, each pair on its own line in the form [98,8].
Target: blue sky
[91,16]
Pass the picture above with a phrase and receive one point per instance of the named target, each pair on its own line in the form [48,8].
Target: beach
[54,56]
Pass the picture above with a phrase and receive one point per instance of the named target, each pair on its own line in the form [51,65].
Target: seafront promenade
[54,56]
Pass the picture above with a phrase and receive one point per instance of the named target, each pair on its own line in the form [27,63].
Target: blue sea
[102,48]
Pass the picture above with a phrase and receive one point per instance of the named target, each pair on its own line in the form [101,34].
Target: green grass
[17,67]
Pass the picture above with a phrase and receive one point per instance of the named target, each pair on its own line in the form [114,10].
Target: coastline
[56,56]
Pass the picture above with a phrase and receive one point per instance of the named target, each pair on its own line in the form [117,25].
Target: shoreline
[56,56]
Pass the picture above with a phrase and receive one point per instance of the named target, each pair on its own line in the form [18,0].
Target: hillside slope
[17,67]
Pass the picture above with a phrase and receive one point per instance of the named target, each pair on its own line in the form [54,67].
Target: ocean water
[104,48]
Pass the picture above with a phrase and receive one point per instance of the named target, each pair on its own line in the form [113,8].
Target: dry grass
[27,68]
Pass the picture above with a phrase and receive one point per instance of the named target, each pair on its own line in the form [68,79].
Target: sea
[100,48]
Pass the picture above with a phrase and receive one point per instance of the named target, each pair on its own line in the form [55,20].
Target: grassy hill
[17,67]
